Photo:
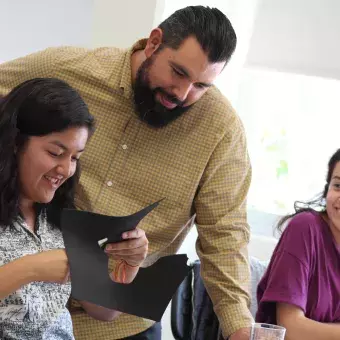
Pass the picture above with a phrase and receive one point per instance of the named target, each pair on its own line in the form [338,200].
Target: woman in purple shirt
[301,288]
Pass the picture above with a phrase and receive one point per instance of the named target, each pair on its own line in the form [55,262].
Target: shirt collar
[41,222]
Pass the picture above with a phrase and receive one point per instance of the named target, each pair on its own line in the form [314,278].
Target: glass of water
[265,331]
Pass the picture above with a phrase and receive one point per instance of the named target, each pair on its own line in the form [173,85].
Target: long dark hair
[36,107]
[319,202]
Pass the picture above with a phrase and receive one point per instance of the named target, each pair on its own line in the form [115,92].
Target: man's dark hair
[209,26]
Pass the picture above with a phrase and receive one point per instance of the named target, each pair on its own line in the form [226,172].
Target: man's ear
[154,42]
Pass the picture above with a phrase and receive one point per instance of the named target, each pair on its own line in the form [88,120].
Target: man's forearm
[229,290]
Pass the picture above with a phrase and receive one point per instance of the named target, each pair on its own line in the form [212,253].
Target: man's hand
[132,250]
[241,334]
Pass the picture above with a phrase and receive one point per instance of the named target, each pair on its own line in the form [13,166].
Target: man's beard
[148,108]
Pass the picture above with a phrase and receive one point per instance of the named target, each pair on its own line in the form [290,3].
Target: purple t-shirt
[304,271]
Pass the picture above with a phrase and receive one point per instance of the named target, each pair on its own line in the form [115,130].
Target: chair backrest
[205,322]
[192,313]
[181,310]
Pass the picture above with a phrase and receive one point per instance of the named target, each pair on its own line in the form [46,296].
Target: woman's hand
[49,266]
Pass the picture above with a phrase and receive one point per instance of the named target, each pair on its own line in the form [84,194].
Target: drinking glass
[265,331]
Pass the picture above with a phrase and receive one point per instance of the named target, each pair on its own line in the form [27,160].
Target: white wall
[31,25]
[297,36]
[121,23]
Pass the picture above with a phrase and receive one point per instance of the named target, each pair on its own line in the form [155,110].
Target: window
[292,124]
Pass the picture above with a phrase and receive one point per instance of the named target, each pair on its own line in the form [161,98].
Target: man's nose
[182,91]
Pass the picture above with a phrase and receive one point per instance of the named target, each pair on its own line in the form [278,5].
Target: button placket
[118,165]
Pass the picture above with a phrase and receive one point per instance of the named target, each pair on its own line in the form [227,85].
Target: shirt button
[124,146]
[109,184]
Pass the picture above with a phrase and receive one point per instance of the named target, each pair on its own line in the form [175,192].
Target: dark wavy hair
[36,107]
[319,202]
[210,26]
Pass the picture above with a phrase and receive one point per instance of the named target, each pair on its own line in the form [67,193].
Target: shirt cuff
[234,317]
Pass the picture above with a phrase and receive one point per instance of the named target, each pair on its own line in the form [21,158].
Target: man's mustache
[171,98]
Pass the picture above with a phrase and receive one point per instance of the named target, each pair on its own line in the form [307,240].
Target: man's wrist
[127,264]
[234,318]
[241,334]
[124,272]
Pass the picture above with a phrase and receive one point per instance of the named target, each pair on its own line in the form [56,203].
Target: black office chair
[192,314]
[181,310]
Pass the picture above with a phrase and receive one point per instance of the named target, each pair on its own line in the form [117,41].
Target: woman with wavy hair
[44,128]
[301,288]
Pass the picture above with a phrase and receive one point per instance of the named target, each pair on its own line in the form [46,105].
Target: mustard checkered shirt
[199,163]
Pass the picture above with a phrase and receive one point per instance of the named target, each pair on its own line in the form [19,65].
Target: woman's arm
[15,275]
[301,328]
[129,255]
[48,266]
[123,273]
[99,312]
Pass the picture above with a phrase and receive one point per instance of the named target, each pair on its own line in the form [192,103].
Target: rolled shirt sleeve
[223,232]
